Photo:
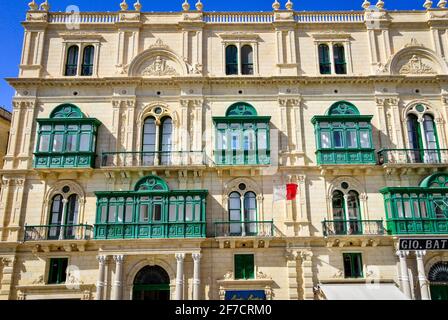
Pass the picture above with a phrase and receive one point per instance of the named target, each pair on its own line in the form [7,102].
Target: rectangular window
[351,139]
[157,212]
[71,143]
[84,142]
[44,143]
[244,266]
[57,271]
[353,265]
[144,214]
[173,212]
[365,139]
[58,142]
[338,139]
[262,140]
[325,140]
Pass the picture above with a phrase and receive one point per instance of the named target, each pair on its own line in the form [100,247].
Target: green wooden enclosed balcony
[352,227]
[410,156]
[418,210]
[242,137]
[244,228]
[149,159]
[343,136]
[58,232]
[66,140]
[151,211]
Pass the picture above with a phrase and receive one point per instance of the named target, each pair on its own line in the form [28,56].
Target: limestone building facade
[198,155]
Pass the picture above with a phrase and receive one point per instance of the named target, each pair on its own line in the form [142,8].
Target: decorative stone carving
[228,275]
[276,5]
[366,4]
[194,69]
[159,68]
[186,6]
[428,4]
[338,275]
[416,66]
[199,6]
[413,43]
[138,6]
[86,295]
[158,45]
[124,6]
[261,275]
[39,280]
[380,4]
[289,5]
[33,5]
[442,4]
[45,6]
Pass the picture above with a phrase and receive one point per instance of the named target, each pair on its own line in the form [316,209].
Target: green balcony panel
[242,137]
[66,140]
[151,211]
[418,210]
[343,136]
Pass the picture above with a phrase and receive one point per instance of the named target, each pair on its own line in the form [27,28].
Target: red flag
[291,191]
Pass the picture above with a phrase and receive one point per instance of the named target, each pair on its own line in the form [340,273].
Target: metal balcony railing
[352,227]
[409,156]
[149,159]
[58,232]
[244,229]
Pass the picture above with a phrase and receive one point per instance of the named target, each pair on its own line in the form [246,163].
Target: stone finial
[186,6]
[366,4]
[199,6]
[45,6]
[427,4]
[289,5]
[380,4]
[276,5]
[138,6]
[33,5]
[442,4]
[124,6]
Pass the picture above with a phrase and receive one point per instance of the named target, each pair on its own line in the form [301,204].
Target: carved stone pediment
[417,65]
[160,66]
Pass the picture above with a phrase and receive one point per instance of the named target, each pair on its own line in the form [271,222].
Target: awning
[363,291]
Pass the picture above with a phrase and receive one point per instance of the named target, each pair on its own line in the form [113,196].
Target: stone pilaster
[180,257]
[307,274]
[404,275]
[100,286]
[291,265]
[196,275]
[423,282]
[118,282]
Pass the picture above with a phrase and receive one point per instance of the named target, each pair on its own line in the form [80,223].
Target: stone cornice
[174,81]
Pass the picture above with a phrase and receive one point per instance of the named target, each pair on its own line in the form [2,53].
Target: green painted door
[151,292]
[439,292]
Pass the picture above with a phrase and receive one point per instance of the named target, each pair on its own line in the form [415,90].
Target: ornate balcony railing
[149,159]
[329,17]
[409,156]
[238,17]
[417,226]
[352,227]
[154,230]
[345,156]
[84,17]
[58,232]
[244,229]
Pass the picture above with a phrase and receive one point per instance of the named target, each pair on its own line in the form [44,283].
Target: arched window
[346,212]
[63,217]
[243,220]
[324,59]
[247,60]
[166,140]
[340,64]
[87,61]
[71,66]
[149,141]
[231,60]
[423,140]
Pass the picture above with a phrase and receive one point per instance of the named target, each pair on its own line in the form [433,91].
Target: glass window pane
[58,142]
[157,212]
[365,139]
[144,213]
[44,143]
[71,143]
[351,139]
[128,214]
[172,212]
[86,127]
[45,128]
[84,142]
[325,140]
[262,140]
[337,139]
[189,212]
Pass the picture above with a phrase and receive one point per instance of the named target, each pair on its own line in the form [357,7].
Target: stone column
[291,265]
[196,275]
[404,276]
[100,283]
[423,282]
[307,274]
[180,257]
[118,283]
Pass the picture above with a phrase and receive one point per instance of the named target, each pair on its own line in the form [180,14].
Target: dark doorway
[438,276]
[151,283]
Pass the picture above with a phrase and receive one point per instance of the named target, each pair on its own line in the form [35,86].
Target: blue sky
[13,12]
